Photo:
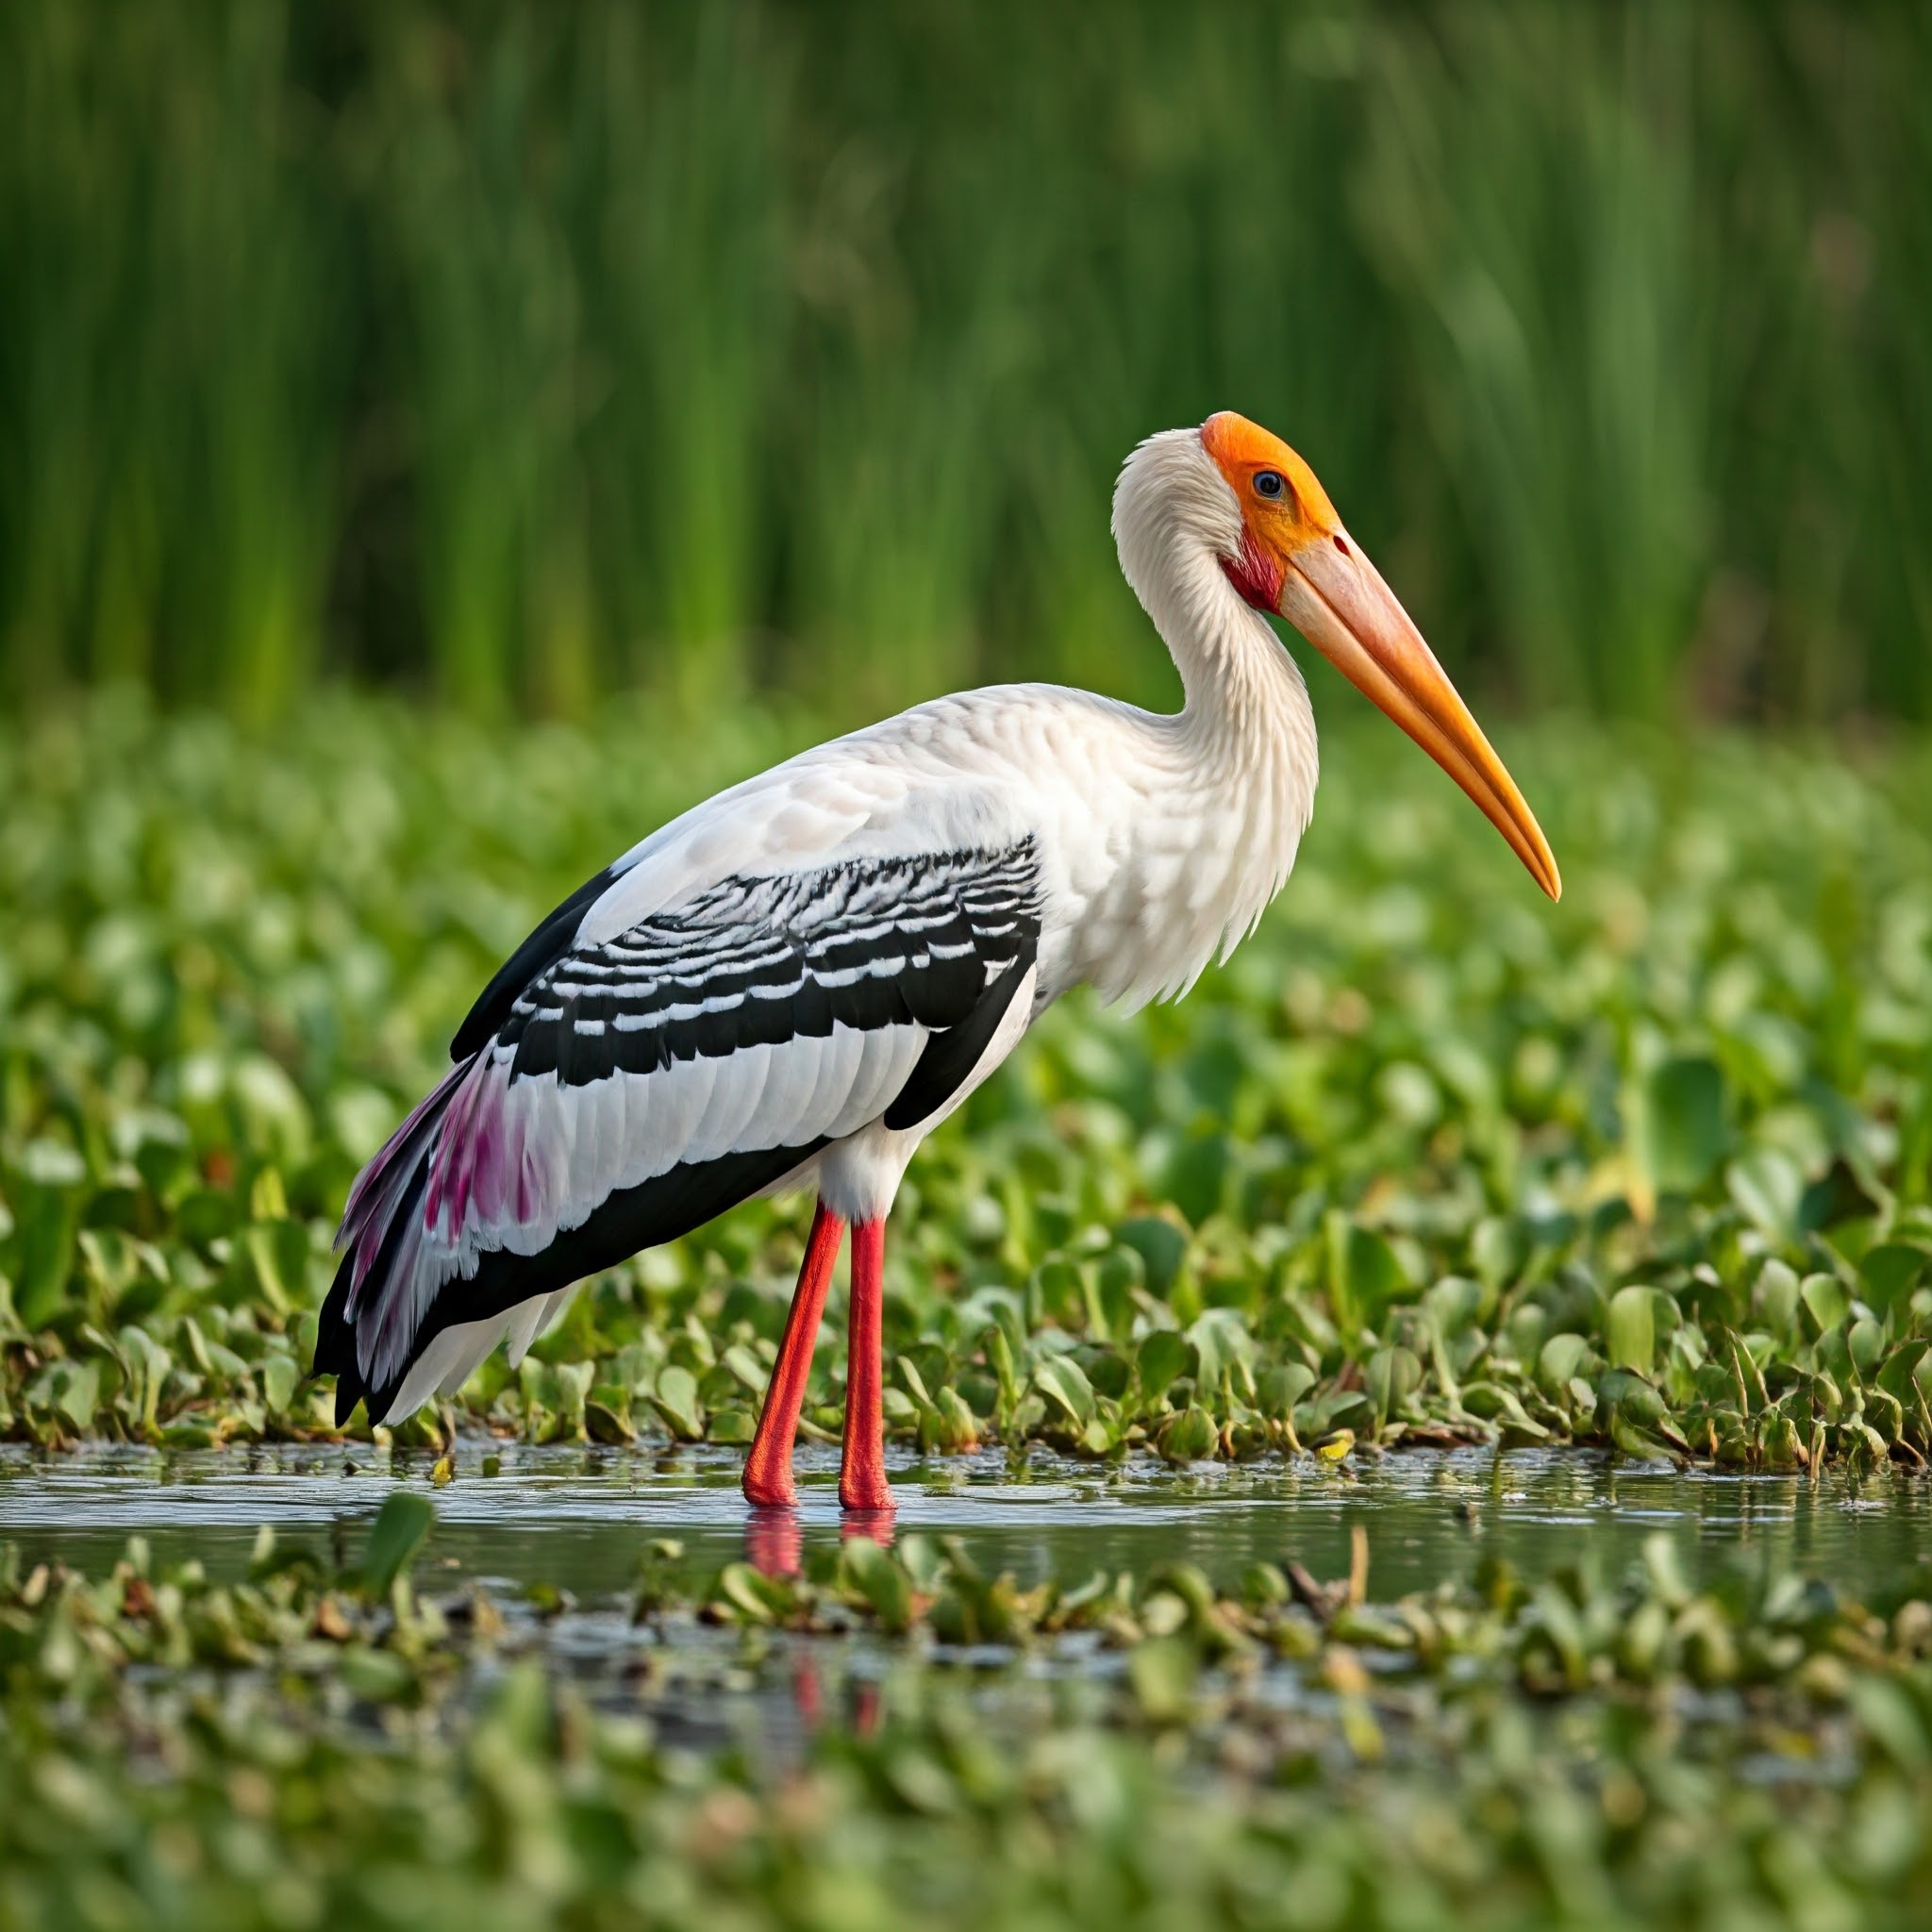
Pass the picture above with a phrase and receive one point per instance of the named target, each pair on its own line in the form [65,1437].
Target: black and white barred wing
[631,1089]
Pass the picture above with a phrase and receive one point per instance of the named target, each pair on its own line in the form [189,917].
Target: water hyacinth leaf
[1188,1436]
[1391,1376]
[754,1596]
[1892,1272]
[49,1193]
[1767,1187]
[609,1423]
[1162,1248]
[676,1398]
[1684,1129]
[1563,1357]
[1899,1375]
[957,1426]
[1775,1296]
[1866,1341]
[1457,1304]
[378,1676]
[1164,1355]
[745,1367]
[401,1525]
[1826,1300]
[1122,1271]
[1196,1175]
[1278,1389]
[1059,1292]
[1163,1672]
[71,1388]
[281,1375]
[871,1573]
[1365,1274]
[1631,1330]
[1221,1338]
[1063,1382]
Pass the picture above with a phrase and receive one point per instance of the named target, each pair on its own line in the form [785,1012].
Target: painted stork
[792,984]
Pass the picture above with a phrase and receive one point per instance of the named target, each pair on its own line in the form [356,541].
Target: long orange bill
[1336,599]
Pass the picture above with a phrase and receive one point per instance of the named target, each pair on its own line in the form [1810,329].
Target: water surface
[581,1518]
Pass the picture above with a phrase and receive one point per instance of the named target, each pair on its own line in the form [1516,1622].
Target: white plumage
[793,982]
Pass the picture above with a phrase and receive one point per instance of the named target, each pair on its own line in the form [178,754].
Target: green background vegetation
[408,410]
[1429,1159]
[514,352]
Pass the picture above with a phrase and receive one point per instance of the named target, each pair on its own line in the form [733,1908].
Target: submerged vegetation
[1426,1161]
[517,351]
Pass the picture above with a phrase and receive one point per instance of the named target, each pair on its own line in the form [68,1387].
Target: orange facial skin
[1296,561]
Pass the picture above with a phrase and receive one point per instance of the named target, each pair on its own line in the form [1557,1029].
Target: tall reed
[518,351]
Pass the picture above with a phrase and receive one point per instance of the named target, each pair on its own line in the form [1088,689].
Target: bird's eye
[1270,483]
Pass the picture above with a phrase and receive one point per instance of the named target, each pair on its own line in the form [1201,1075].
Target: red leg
[862,1477]
[768,1468]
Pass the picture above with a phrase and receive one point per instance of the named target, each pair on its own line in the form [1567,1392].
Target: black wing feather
[538,953]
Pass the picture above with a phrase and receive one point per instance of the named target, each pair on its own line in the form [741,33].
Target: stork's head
[1292,558]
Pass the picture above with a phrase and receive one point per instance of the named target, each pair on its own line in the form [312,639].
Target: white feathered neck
[1230,778]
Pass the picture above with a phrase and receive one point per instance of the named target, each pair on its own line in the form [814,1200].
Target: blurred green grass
[513,352]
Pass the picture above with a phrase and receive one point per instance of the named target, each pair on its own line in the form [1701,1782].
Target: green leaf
[1561,1358]
[676,1398]
[400,1525]
[1161,1246]
[281,1375]
[1278,1389]
[756,1597]
[49,1194]
[1062,1380]
[1455,1303]
[1164,1355]
[869,1573]
[1365,1275]
[1164,1672]
[608,1419]
[1391,1376]
[1684,1121]
[1825,1300]
[72,1389]
[1188,1436]
[1767,1187]
[1631,1330]
[1221,1338]
[1891,1273]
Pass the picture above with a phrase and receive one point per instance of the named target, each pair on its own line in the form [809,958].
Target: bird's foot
[866,1492]
[768,1485]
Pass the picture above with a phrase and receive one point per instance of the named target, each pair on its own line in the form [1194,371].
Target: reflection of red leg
[768,1468]
[876,1526]
[863,1476]
[773,1541]
[804,1692]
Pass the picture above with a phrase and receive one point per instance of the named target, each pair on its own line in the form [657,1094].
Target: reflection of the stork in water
[775,1537]
[774,1546]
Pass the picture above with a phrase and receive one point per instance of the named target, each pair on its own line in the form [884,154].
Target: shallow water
[580,1518]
